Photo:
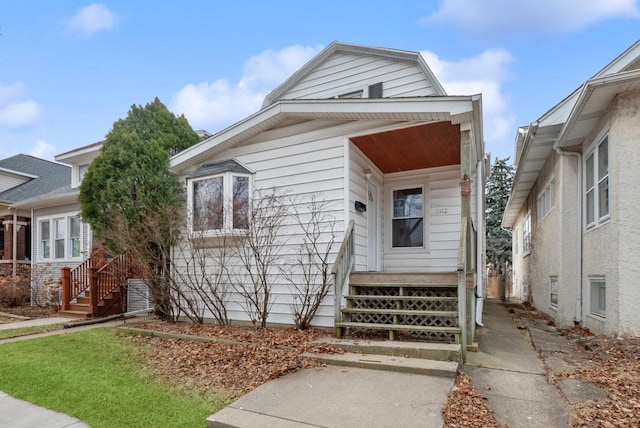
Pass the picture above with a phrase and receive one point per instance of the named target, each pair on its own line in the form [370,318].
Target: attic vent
[375,90]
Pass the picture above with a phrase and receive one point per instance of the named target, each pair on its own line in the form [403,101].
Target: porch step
[80,307]
[407,312]
[372,278]
[422,350]
[403,298]
[389,363]
[74,313]
[399,327]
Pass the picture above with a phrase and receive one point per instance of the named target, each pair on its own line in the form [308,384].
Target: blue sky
[69,69]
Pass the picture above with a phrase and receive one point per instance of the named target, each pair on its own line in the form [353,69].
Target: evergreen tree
[129,197]
[130,178]
[498,190]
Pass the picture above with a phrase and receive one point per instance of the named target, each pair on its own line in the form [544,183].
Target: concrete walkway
[36,322]
[508,373]
[22,414]
[506,369]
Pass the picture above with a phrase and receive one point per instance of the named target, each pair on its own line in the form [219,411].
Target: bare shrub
[15,290]
[310,287]
[258,250]
[45,285]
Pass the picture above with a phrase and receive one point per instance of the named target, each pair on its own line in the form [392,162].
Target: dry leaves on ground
[617,369]
[262,355]
[466,407]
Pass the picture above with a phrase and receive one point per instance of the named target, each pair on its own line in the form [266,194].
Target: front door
[373,228]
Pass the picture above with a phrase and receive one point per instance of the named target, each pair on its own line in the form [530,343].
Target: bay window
[220,202]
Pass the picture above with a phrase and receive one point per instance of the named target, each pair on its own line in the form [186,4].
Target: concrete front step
[423,350]
[389,363]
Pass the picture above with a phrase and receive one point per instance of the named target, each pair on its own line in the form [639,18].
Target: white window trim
[593,150]
[516,243]
[548,189]
[227,183]
[552,279]
[593,279]
[67,238]
[425,216]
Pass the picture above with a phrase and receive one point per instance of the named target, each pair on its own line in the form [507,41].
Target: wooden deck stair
[425,306]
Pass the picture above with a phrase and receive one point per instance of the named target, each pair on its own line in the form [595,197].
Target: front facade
[572,207]
[23,177]
[371,134]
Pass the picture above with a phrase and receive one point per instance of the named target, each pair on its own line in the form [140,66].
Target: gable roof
[337,48]
[568,123]
[43,177]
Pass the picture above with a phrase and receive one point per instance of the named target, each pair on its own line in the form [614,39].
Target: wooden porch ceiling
[424,146]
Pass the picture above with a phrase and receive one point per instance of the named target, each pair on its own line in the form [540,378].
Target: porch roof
[463,110]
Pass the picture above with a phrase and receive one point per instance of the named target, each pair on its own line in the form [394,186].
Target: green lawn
[24,331]
[97,376]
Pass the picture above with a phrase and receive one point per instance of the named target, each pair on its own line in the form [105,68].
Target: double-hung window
[553,291]
[546,200]
[526,234]
[597,184]
[219,199]
[408,218]
[60,238]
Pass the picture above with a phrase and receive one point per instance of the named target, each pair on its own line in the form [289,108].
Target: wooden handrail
[342,267]
[462,288]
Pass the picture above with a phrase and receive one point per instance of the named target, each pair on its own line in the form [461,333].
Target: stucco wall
[625,204]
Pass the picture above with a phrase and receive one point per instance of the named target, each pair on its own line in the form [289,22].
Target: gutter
[579,291]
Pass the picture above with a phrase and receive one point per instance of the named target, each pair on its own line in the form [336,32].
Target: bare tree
[258,250]
[311,285]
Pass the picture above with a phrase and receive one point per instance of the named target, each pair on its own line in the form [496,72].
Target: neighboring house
[23,177]
[573,211]
[371,133]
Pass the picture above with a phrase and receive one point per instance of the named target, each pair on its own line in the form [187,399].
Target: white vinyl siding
[346,73]
[442,212]
[299,168]
[8,180]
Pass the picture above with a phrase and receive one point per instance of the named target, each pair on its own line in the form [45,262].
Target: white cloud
[214,105]
[91,19]
[508,17]
[15,110]
[42,150]
[483,74]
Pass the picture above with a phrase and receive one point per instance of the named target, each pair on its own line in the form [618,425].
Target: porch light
[465,186]
[367,174]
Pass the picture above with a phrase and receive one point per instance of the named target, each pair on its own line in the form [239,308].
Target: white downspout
[578,156]
[479,293]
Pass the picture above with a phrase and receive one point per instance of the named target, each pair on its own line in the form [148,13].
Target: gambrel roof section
[344,70]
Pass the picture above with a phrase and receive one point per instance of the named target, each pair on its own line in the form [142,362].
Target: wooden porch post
[465,174]
[93,289]
[66,287]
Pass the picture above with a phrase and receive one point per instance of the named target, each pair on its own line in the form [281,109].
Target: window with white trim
[219,202]
[546,200]
[553,291]
[407,224]
[597,184]
[60,238]
[526,234]
[598,296]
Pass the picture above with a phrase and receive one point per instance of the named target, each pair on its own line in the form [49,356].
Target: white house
[572,208]
[371,133]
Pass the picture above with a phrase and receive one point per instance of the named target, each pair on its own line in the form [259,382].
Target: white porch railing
[342,268]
